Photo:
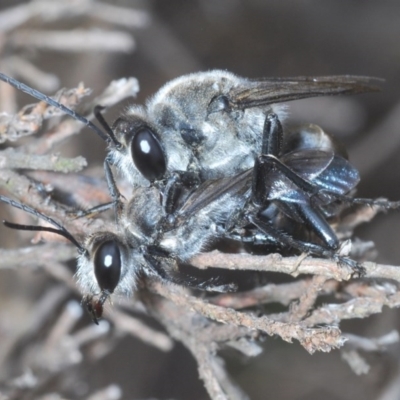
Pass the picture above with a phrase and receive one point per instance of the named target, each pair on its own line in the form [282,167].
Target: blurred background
[156,41]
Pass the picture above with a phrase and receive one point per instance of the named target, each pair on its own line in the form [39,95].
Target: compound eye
[107,265]
[148,155]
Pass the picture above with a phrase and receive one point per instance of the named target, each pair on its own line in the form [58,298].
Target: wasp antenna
[60,229]
[97,113]
[42,97]
[60,232]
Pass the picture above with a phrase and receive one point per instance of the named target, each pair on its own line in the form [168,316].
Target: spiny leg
[267,163]
[306,247]
[386,204]
[114,193]
[272,135]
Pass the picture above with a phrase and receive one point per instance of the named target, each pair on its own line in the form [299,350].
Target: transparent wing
[277,90]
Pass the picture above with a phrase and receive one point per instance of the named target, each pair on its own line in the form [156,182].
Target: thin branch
[28,72]
[356,362]
[294,266]
[312,339]
[180,323]
[34,256]
[360,307]
[78,40]
[283,293]
[122,16]
[127,324]
[13,159]
[115,92]
[111,392]
[306,301]
[371,344]
[30,119]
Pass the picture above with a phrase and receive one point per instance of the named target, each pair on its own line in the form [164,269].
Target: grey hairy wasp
[112,261]
[205,125]
[214,124]
[213,145]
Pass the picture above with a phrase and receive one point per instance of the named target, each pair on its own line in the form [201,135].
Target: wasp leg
[168,271]
[174,189]
[253,237]
[264,165]
[326,252]
[91,212]
[314,220]
[387,204]
[171,192]
[114,193]
[272,136]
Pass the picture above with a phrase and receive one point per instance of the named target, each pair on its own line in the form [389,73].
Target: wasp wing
[212,190]
[327,171]
[340,178]
[307,164]
[324,169]
[266,91]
